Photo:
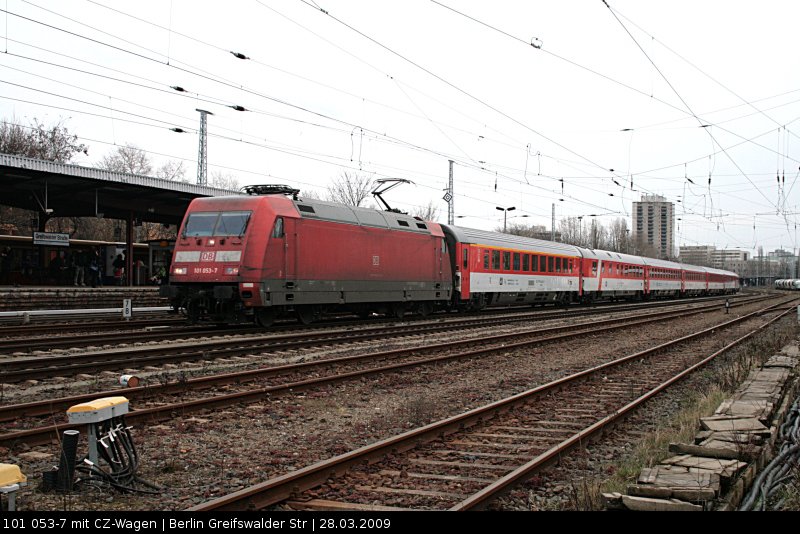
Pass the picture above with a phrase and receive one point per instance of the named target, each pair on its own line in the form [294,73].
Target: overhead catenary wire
[521,174]
[699,120]
[721,148]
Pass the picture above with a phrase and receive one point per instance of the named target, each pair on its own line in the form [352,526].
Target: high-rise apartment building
[654,224]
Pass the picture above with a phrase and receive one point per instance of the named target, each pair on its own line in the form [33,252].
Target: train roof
[664,264]
[611,256]
[331,211]
[712,270]
[496,239]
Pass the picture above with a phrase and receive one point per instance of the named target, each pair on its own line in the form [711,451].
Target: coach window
[526,261]
[506,261]
[486,260]
[516,261]
[465,258]
[551,264]
[496,260]
[277,230]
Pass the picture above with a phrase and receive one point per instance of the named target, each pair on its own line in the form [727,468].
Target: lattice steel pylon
[202,156]
[449,197]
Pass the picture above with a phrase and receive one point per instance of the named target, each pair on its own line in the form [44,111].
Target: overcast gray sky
[535,101]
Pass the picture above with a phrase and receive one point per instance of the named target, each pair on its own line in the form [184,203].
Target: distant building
[697,255]
[759,269]
[654,224]
[710,256]
[721,258]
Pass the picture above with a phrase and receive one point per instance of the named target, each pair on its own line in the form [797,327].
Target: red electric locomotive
[266,255]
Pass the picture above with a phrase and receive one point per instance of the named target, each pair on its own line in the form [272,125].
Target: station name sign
[51,239]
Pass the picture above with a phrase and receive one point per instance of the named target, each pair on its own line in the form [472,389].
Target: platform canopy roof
[62,190]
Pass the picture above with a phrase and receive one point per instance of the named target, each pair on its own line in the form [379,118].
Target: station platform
[71,297]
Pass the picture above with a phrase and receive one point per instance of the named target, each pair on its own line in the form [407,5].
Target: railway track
[294,377]
[19,369]
[22,338]
[85,325]
[463,462]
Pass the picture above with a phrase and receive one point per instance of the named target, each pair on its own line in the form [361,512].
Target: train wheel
[192,312]
[306,314]
[425,309]
[266,316]
[398,310]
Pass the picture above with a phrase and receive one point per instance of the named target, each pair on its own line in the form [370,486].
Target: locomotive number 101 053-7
[205,270]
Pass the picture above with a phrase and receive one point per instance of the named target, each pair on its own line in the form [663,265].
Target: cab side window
[277,230]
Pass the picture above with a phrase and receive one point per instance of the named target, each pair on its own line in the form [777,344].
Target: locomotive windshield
[216,223]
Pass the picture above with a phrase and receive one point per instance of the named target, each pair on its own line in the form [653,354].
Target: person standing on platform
[119,269]
[95,266]
[80,268]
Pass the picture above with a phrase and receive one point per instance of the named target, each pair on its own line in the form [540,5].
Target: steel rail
[50,342]
[37,368]
[524,472]
[44,434]
[283,487]
[49,406]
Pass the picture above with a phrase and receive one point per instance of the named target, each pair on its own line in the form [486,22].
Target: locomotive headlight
[179,270]
[231,270]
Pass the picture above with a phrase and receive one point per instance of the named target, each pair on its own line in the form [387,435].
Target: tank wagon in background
[270,254]
[788,284]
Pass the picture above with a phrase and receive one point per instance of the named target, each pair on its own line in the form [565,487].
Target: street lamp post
[505,215]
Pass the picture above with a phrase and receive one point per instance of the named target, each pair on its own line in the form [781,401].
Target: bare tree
[619,236]
[172,170]
[350,188]
[571,230]
[429,212]
[52,143]
[310,195]
[128,159]
[222,180]
[534,231]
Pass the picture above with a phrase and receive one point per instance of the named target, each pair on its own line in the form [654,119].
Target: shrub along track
[465,461]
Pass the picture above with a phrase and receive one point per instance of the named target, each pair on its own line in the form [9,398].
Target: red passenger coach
[262,256]
[492,268]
